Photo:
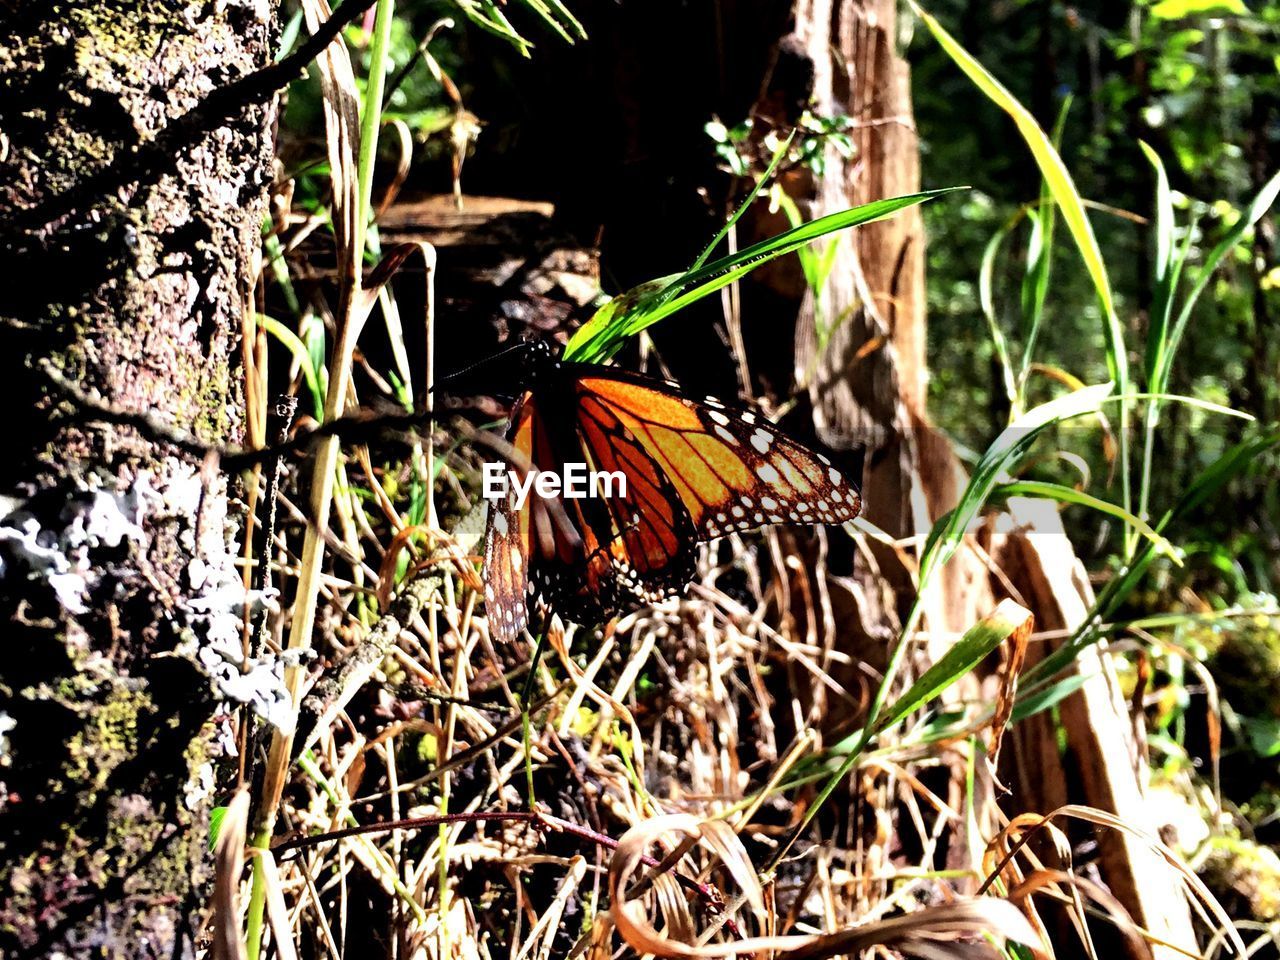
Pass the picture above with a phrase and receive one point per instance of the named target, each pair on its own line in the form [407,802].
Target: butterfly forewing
[732,469]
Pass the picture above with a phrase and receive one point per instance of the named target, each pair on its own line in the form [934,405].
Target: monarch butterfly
[694,470]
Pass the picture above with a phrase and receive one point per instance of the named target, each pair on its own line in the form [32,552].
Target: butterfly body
[694,470]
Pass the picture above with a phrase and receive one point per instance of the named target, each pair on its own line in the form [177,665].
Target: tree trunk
[868,381]
[118,575]
[869,388]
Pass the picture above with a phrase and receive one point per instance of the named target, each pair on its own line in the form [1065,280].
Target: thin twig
[356,427]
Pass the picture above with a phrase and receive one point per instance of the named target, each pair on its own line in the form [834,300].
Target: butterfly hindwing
[646,547]
[507,544]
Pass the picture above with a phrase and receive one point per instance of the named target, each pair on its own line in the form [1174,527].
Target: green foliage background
[1198,81]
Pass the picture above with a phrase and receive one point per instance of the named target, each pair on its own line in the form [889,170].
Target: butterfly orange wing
[646,538]
[694,470]
[582,557]
[731,469]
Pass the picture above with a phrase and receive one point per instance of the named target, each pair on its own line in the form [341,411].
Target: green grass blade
[1207,405]
[601,336]
[371,111]
[967,652]
[486,15]
[567,16]
[1164,284]
[1162,289]
[948,532]
[1064,494]
[986,301]
[1035,284]
[293,343]
[1251,215]
[789,240]
[746,204]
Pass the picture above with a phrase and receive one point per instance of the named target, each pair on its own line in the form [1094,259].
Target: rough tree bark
[117,564]
[868,391]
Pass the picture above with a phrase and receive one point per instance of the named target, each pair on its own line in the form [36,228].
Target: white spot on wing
[718,417]
[767,473]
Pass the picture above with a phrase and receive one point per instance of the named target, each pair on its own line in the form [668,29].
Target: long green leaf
[1010,446]
[945,538]
[1033,702]
[986,300]
[1035,284]
[1166,270]
[371,111]
[1162,287]
[602,336]
[967,652]
[1064,494]
[1060,184]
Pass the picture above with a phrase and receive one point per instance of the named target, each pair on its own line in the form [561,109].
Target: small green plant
[744,153]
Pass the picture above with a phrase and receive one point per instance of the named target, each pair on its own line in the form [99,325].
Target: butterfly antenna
[483,362]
